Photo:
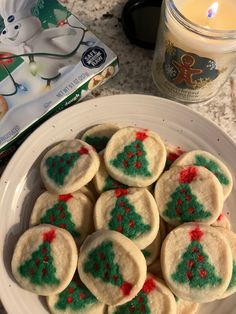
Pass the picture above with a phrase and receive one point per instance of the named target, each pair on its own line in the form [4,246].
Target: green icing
[100,264]
[137,305]
[75,297]
[195,269]
[126,220]
[40,269]
[184,205]
[233,278]
[146,253]
[59,216]
[99,143]
[213,167]
[111,184]
[132,160]
[59,166]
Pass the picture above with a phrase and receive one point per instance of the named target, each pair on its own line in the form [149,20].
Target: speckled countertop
[104,19]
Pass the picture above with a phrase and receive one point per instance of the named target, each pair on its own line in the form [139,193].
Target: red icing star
[83,151]
[187,175]
[149,285]
[126,287]
[220,217]
[49,236]
[120,192]
[65,197]
[196,234]
[141,136]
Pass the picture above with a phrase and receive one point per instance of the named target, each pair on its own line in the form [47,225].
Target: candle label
[187,70]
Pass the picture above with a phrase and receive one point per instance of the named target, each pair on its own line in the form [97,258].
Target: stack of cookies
[128,224]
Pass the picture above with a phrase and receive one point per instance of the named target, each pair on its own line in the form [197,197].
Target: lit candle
[196,48]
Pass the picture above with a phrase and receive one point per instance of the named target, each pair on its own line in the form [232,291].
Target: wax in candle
[214,14]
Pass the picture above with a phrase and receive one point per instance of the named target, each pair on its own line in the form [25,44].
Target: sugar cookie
[196,262]
[73,212]
[99,135]
[3,106]
[173,152]
[75,299]
[87,191]
[212,163]
[231,238]
[102,180]
[189,193]
[222,221]
[132,212]
[112,267]
[44,260]
[186,307]
[152,251]
[153,298]
[155,269]
[68,166]
[135,157]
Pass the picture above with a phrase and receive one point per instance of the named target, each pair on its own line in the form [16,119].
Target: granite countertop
[104,19]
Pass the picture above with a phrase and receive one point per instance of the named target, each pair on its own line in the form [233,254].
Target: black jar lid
[140,20]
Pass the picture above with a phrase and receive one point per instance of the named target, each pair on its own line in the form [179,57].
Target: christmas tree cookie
[173,152]
[136,157]
[231,238]
[73,212]
[190,193]
[75,299]
[222,221]
[68,166]
[44,259]
[132,212]
[99,135]
[112,267]
[152,251]
[153,298]
[196,262]
[102,180]
[212,163]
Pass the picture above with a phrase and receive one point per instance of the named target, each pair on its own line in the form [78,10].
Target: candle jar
[191,62]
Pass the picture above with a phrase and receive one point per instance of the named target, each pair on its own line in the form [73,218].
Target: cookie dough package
[48,61]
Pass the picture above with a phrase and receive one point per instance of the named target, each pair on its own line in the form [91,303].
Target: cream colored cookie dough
[99,135]
[68,166]
[212,163]
[134,156]
[44,260]
[3,106]
[223,222]
[186,307]
[231,238]
[73,212]
[132,212]
[154,298]
[112,267]
[75,299]
[196,262]
[102,180]
[189,193]
[152,251]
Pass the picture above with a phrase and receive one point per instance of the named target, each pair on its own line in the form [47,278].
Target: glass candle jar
[192,59]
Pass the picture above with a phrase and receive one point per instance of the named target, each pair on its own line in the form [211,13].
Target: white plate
[21,184]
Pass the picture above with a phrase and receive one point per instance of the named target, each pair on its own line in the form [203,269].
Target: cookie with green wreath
[99,135]
[68,166]
[112,267]
[135,157]
[44,259]
[212,163]
[73,212]
[154,297]
[75,299]
[132,212]
[197,262]
[189,193]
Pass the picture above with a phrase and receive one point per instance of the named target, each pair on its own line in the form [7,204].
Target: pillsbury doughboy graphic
[49,50]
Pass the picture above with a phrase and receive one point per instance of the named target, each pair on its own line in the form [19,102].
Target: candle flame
[213,9]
